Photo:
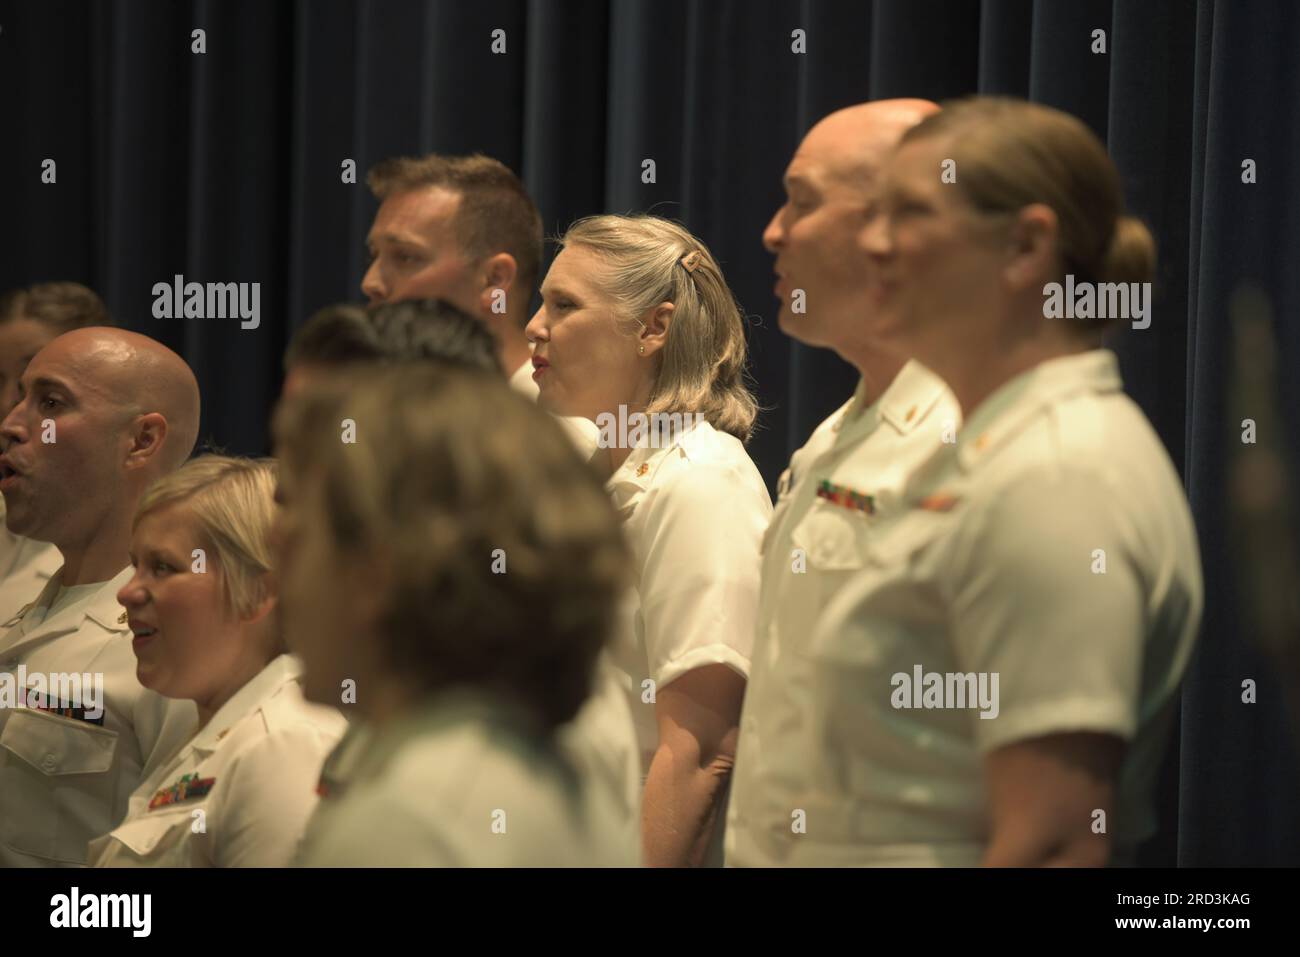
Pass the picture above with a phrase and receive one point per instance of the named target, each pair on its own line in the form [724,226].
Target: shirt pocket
[887,620]
[162,838]
[59,785]
[832,538]
[890,582]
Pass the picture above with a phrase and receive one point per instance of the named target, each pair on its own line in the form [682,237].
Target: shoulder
[463,796]
[1090,450]
[287,712]
[371,826]
[1077,479]
[285,733]
[706,465]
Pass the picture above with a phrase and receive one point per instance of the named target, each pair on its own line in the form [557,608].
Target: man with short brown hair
[463,229]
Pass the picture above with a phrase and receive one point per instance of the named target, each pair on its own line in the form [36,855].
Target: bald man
[793,800]
[101,414]
[29,319]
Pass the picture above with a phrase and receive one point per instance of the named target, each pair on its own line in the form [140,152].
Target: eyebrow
[47,382]
[155,551]
[408,239]
[798,179]
[556,289]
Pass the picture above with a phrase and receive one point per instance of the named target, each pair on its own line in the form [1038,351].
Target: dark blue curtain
[226,166]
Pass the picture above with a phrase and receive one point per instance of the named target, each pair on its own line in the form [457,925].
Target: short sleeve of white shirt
[1031,604]
[700,574]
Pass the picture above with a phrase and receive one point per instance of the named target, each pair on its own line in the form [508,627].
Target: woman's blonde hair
[653,260]
[1011,153]
[233,504]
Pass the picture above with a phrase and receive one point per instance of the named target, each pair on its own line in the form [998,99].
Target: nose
[372,284]
[774,235]
[536,330]
[876,239]
[132,594]
[11,429]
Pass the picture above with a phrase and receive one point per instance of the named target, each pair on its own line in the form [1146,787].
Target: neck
[103,555]
[878,370]
[976,376]
[213,703]
[638,402]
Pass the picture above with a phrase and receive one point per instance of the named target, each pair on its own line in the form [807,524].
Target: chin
[16,518]
[797,329]
[547,400]
[148,678]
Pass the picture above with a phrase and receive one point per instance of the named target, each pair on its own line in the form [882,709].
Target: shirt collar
[903,405]
[279,672]
[104,608]
[521,380]
[439,713]
[1001,415]
[638,469]
[101,606]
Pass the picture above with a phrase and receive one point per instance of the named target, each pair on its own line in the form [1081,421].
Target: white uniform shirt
[813,547]
[694,514]
[25,566]
[600,739]
[458,783]
[63,780]
[252,775]
[601,743]
[1051,546]
[521,380]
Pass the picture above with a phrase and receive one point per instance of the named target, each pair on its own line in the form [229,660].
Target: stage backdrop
[226,166]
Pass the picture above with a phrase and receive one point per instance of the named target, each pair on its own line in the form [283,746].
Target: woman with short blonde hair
[639,333]
[202,609]
[231,502]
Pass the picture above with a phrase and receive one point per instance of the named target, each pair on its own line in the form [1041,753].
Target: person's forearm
[1012,850]
[680,807]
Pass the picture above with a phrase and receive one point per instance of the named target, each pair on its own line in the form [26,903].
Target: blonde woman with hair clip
[639,333]
[202,609]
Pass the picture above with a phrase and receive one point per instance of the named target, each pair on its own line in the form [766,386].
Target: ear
[654,328]
[499,272]
[148,433]
[1032,248]
[268,586]
[263,608]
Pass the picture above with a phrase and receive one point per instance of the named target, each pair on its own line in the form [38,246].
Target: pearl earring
[641,350]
